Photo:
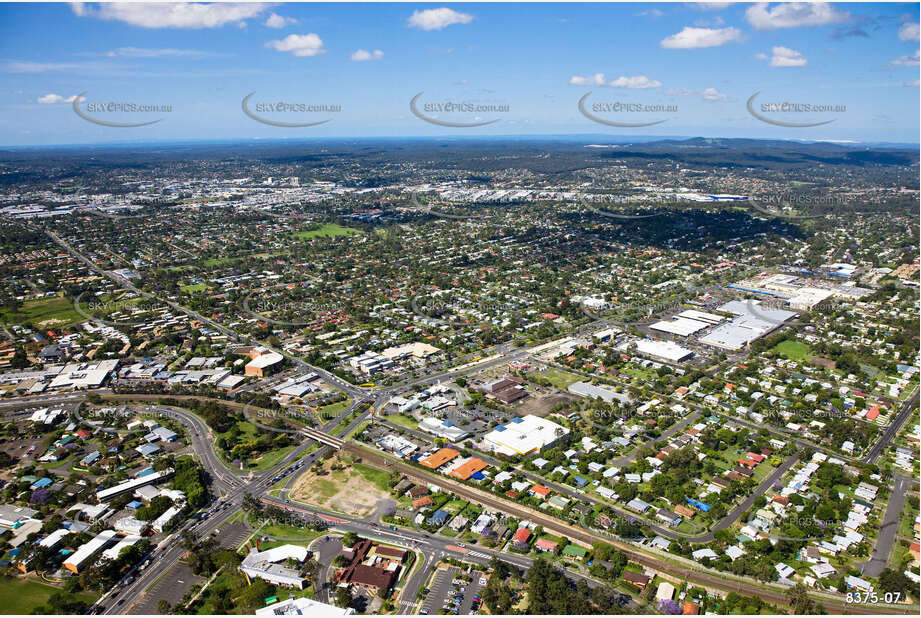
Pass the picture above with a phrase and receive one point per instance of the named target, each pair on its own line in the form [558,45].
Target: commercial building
[662,350]
[263,565]
[370,362]
[442,429]
[524,435]
[680,326]
[84,375]
[303,606]
[263,362]
[753,322]
[585,389]
[417,350]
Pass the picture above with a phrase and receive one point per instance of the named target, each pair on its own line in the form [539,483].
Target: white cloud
[363,55]
[654,13]
[593,80]
[598,79]
[783,57]
[277,21]
[139,52]
[638,81]
[436,19]
[710,6]
[693,38]
[792,14]
[709,94]
[712,94]
[905,61]
[189,15]
[52,99]
[909,31]
[299,44]
[913,84]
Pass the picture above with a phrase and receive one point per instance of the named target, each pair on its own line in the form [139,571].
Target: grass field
[794,350]
[326,230]
[21,596]
[196,287]
[402,420]
[560,379]
[45,312]
[334,410]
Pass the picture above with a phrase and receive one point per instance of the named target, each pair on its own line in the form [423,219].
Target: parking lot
[452,595]
[172,587]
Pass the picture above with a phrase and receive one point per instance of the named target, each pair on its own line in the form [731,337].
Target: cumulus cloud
[909,31]
[363,55]
[300,45]
[188,15]
[792,14]
[598,79]
[693,38]
[905,61]
[52,99]
[436,19]
[638,81]
[783,57]
[277,21]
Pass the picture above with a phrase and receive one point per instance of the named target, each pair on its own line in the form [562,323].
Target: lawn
[195,287]
[402,420]
[269,459]
[379,478]
[326,230]
[333,410]
[559,379]
[794,350]
[21,596]
[45,312]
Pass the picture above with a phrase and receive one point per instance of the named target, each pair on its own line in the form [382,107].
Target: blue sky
[535,61]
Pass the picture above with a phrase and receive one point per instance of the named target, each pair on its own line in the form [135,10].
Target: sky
[690,68]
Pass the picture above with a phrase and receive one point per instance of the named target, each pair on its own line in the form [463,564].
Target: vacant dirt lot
[354,490]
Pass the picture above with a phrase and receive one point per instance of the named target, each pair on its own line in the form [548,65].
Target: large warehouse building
[525,435]
[753,321]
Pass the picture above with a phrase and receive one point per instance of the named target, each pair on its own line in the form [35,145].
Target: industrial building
[661,350]
[524,435]
[753,322]
[592,391]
